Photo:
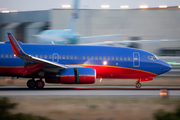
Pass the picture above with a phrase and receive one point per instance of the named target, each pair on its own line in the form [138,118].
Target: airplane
[76,64]
[68,36]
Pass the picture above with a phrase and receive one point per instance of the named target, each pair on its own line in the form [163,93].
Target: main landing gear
[39,84]
[138,84]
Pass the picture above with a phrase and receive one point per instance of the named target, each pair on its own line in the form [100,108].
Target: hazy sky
[31,5]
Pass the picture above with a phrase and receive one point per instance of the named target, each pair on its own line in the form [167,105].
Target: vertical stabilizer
[74,16]
[18,51]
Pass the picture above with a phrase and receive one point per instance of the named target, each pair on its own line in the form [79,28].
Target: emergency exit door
[55,57]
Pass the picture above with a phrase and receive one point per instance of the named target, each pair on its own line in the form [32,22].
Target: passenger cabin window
[71,57]
[96,57]
[92,57]
[104,58]
[11,56]
[124,58]
[6,55]
[75,57]
[45,56]
[37,56]
[100,58]
[59,56]
[84,57]
[40,56]
[67,56]
[87,57]
[120,58]
[2,55]
[112,58]
[116,58]
[50,56]
[129,58]
[63,56]
[108,58]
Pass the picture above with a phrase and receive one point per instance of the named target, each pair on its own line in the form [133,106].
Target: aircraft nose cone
[168,67]
[165,67]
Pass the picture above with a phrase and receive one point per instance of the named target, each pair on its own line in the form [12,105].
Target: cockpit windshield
[152,57]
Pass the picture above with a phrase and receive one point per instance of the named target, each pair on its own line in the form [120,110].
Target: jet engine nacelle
[72,76]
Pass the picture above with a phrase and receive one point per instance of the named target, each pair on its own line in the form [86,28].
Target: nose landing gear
[138,84]
[39,84]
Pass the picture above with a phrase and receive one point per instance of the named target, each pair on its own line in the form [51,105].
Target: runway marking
[87,88]
[61,91]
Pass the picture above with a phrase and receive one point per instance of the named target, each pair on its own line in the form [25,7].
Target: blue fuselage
[97,57]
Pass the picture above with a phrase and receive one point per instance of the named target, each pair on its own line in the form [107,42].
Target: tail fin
[74,16]
[15,46]
[75,9]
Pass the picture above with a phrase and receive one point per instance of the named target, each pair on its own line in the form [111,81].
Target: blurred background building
[135,20]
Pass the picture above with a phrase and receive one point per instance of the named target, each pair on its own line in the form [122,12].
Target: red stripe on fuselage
[102,71]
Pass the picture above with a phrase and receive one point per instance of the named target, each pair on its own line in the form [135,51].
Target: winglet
[15,46]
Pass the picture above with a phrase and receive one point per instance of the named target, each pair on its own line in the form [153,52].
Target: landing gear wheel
[138,85]
[39,84]
[31,83]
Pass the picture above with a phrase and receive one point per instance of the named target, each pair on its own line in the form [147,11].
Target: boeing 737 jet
[76,64]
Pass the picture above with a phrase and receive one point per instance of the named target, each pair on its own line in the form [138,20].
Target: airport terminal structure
[133,24]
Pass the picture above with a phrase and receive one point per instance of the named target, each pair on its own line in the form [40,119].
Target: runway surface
[124,91]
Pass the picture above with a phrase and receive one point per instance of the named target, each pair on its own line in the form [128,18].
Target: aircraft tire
[138,85]
[31,83]
[39,84]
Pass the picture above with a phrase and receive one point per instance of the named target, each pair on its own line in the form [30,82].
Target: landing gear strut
[138,84]
[39,84]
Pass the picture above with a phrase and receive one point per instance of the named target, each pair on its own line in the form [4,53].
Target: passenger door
[136,59]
